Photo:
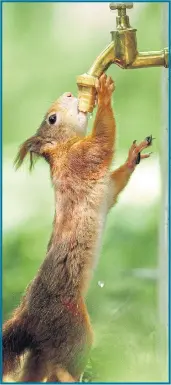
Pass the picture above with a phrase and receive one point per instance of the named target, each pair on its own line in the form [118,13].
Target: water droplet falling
[90,115]
[101,284]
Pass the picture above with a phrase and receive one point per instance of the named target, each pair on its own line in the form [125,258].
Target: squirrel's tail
[15,341]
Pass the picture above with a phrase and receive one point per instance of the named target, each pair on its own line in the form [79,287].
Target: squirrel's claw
[149,140]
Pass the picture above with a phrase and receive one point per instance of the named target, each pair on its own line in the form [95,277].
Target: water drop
[101,284]
[90,115]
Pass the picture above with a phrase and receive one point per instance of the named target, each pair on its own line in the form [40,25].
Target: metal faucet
[121,51]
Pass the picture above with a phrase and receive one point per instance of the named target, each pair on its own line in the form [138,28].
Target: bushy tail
[15,341]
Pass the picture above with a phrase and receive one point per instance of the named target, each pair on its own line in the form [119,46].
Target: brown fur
[52,323]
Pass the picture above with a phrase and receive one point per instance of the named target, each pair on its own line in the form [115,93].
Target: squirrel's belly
[95,213]
[80,222]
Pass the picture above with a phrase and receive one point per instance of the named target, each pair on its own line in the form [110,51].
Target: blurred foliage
[42,55]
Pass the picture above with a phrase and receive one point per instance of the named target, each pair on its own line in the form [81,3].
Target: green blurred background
[45,46]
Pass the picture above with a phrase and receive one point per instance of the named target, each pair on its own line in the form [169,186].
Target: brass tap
[123,52]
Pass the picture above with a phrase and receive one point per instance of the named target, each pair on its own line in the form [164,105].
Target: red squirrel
[52,324]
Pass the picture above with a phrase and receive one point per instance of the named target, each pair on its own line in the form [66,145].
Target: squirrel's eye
[52,119]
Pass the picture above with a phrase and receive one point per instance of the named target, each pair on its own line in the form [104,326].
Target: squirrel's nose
[68,94]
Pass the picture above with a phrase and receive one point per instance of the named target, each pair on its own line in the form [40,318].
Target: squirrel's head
[62,122]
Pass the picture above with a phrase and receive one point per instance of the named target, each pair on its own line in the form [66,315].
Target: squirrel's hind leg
[34,369]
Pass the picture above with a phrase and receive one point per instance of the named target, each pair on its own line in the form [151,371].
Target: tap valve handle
[122,20]
[119,6]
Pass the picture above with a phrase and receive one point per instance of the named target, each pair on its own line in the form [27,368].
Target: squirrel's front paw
[105,87]
[134,155]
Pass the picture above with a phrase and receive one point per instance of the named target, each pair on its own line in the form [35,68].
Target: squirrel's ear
[33,146]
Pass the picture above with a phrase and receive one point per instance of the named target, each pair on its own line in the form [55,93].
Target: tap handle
[122,20]
[119,6]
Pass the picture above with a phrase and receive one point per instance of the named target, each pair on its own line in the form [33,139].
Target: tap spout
[86,82]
